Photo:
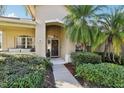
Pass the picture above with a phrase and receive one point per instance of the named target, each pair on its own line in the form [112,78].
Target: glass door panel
[29,42]
[54,48]
[23,42]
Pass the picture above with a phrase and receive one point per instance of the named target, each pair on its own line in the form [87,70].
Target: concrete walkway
[58,61]
[63,78]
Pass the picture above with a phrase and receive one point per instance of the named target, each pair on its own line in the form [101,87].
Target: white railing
[19,50]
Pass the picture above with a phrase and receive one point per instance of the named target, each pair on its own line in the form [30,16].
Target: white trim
[26,41]
[17,20]
[54,20]
[19,41]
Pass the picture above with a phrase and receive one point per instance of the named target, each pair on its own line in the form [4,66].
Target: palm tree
[78,22]
[113,26]
[98,38]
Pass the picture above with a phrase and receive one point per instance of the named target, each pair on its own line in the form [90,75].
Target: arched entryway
[54,39]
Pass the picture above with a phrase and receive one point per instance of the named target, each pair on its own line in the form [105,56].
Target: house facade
[45,35]
[16,33]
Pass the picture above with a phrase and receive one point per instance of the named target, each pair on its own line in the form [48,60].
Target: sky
[19,11]
[16,11]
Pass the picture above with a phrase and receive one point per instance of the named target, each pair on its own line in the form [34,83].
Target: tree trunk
[83,47]
[88,48]
[113,57]
[119,60]
[107,53]
[105,50]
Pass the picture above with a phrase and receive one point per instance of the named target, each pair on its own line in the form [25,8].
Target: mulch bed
[71,68]
[49,79]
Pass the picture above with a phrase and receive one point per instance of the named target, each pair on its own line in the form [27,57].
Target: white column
[40,39]
[70,47]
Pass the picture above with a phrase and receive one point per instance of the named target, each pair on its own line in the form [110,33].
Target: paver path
[63,78]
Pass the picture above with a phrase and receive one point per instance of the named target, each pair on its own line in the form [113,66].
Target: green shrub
[30,59]
[4,55]
[85,57]
[30,80]
[22,71]
[104,74]
[47,63]
[2,60]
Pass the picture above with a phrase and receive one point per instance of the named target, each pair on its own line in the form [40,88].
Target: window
[0,40]
[24,42]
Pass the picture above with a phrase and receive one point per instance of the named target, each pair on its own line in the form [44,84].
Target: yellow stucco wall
[10,34]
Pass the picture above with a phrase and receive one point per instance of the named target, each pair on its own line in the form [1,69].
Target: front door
[54,48]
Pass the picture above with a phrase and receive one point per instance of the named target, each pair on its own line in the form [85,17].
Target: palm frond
[2,9]
[77,22]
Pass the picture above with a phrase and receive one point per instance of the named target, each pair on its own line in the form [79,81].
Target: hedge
[85,57]
[22,71]
[104,74]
